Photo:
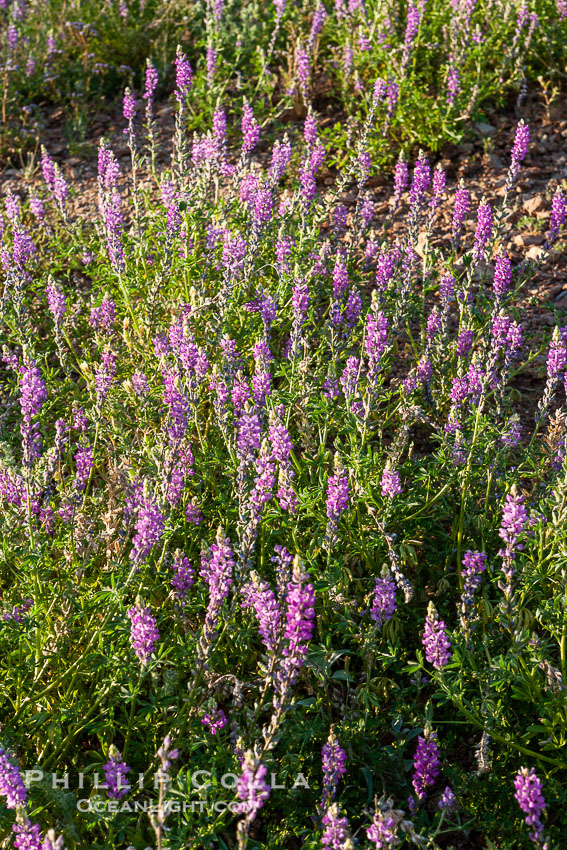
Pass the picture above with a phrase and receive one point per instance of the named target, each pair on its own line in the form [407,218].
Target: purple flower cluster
[529,794]
[251,788]
[259,596]
[338,491]
[183,76]
[384,600]
[336,832]
[435,639]
[514,521]
[33,395]
[183,576]
[300,621]
[215,721]
[217,565]
[149,528]
[12,786]
[115,772]
[28,836]
[390,483]
[102,318]
[384,828]
[425,764]
[334,761]
[143,631]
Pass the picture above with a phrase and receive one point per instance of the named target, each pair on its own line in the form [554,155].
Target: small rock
[534,253]
[554,291]
[485,129]
[496,161]
[532,205]
[561,301]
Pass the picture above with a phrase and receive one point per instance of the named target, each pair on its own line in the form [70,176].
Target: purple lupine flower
[151,81]
[375,340]
[363,167]
[258,594]
[183,576]
[453,85]
[143,631]
[177,404]
[390,483]
[349,378]
[282,561]
[211,62]
[401,178]
[84,462]
[12,786]
[115,772]
[336,832]
[512,436]
[412,27]
[12,204]
[437,187]
[215,721]
[447,288]
[303,66]
[557,219]
[33,395]
[56,301]
[434,325]
[140,384]
[104,375]
[502,276]
[149,527]
[300,621]
[281,156]
[249,434]
[319,17]
[28,836]
[474,564]
[250,129]
[340,278]
[37,208]
[338,490]
[420,181]
[129,105]
[483,230]
[48,169]
[384,599]
[514,522]
[529,794]
[217,565]
[183,76]
[340,219]
[464,342]
[18,611]
[556,366]
[334,760]
[367,210]
[447,801]
[557,357]
[384,829]
[425,764]
[353,308]
[435,639]
[424,370]
[462,203]
[392,97]
[251,787]
[193,514]
[521,142]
